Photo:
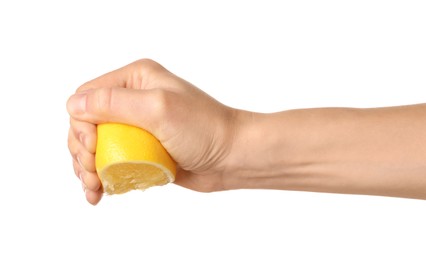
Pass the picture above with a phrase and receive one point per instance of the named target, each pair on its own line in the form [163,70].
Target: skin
[376,151]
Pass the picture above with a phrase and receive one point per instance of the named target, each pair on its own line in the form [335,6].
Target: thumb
[142,108]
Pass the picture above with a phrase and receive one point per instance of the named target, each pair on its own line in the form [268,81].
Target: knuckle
[72,147]
[100,102]
[146,63]
[147,66]
[161,103]
[93,182]
[76,168]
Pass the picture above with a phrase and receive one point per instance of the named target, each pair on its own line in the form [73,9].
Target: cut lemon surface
[130,158]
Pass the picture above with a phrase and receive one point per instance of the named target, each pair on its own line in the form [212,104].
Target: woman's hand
[194,128]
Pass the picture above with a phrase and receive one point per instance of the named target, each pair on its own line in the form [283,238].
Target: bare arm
[379,151]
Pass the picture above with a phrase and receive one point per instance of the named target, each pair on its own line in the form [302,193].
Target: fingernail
[77,104]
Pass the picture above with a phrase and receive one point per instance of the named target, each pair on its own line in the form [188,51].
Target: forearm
[378,151]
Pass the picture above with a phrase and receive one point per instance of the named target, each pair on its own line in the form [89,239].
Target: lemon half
[130,158]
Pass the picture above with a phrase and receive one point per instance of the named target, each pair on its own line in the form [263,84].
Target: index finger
[114,79]
[133,75]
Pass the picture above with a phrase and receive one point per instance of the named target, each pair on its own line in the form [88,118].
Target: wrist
[256,158]
[277,151]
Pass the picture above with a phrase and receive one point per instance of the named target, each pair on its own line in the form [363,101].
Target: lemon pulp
[130,158]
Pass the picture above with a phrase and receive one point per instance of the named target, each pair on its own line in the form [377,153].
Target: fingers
[93,197]
[80,153]
[125,95]
[85,133]
[90,183]
[135,75]
[114,79]
[143,108]
[89,180]
[82,145]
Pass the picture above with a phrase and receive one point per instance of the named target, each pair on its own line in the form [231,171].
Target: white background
[263,56]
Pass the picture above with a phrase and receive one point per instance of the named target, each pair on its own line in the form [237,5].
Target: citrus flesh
[130,158]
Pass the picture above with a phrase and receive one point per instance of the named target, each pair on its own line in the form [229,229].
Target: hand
[194,128]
